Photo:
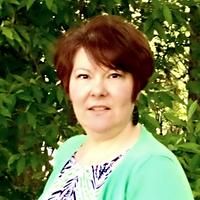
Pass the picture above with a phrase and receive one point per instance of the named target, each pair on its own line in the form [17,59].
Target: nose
[98,87]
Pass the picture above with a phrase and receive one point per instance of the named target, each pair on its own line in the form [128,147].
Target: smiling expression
[101,97]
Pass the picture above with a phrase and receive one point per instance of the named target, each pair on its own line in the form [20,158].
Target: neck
[130,132]
[106,146]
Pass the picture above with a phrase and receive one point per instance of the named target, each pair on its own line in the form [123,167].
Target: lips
[99,108]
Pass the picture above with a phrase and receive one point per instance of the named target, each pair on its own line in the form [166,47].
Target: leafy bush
[35,114]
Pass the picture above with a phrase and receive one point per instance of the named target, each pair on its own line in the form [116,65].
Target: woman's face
[101,97]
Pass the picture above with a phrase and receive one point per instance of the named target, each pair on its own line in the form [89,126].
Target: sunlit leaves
[167,14]
[190,147]
[150,122]
[171,116]
[7,32]
[33,110]
[5,112]
[192,108]
[148,28]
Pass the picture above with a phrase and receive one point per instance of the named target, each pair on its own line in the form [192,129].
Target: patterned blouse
[76,182]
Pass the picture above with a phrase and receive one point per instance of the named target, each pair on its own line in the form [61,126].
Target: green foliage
[35,113]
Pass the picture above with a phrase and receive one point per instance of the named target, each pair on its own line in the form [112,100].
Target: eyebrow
[82,68]
[89,70]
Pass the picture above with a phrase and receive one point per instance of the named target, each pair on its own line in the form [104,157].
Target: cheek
[124,92]
[77,91]
[72,91]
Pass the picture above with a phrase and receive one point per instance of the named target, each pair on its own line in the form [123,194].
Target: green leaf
[25,96]
[18,39]
[7,32]
[156,13]
[150,122]
[197,129]
[164,98]
[31,118]
[1,2]
[4,151]
[22,30]
[20,78]
[3,198]
[190,128]
[13,2]
[108,5]
[47,109]
[16,36]
[174,119]
[3,82]
[49,4]
[12,159]
[118,1]
[20,165]
[193,107]
[54,8]
[10,102]
[148,24]
[193,86]
[190,147]
[60,94]
[37,93]
[167,14]
[29,3]
[159,27]
[4,111]
[51,134]
[195,162]
[35,161]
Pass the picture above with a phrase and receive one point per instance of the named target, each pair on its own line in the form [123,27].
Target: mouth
[99,108]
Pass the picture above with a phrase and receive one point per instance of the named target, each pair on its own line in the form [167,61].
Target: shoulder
[159,165]
[73,142]
[156,168]
[69,147]
[160,177]
[149,157]
[149,146]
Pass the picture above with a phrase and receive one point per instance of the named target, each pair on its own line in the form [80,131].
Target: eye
[115,75]
[82,76]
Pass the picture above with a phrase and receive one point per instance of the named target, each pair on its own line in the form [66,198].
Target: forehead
[86,59]
[82,58]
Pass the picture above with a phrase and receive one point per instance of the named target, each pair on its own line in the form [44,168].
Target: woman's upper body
[148,170]
[103,65]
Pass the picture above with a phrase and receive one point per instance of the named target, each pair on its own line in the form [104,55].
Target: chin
[100,129]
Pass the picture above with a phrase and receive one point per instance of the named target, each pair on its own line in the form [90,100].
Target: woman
[103,65]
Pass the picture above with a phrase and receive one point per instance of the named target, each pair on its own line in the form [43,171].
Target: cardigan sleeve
[160,178]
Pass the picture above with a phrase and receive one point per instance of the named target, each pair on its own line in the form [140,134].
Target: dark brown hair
[111,42]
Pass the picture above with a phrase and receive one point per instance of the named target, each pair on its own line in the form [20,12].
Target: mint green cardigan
[149,171]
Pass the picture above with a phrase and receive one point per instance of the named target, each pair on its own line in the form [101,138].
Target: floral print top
[76,182]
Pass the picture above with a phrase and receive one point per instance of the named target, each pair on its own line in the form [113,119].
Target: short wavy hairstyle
[111,42]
